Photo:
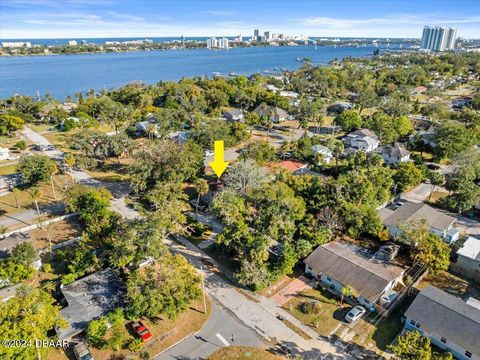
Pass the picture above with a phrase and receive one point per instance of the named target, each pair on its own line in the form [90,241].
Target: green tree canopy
[167,288]
[35,169]
[30,315]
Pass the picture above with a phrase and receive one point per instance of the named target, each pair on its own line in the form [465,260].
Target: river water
[63,75]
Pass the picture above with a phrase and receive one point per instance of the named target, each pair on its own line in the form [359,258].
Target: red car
[142,331]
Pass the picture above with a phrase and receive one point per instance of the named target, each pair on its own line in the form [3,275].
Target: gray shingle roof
[394,151]
[448,316]
[368,278]
[264,111]
[90,298]
[363,133]
[234,112]
[416,212]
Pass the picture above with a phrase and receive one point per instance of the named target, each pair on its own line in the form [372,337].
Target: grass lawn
[61,139]
[326,320]
[437,195]
[8,141]
[8,205]
[40,128]
[377,336]
[329,320]
[8,169]
[242,353]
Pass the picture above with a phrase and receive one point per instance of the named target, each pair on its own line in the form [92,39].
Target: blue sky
[149,18]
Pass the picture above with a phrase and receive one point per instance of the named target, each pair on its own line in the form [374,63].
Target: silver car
[81,352]
[355,314]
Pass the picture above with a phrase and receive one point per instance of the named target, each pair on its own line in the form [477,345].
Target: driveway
[299,284]
[469,226]
[419,193]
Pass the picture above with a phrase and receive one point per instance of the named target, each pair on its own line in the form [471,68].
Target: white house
[143,127]
[468,259]
[450,323]
[438,222]
[320,151]
[394,154]
[338,264]
[4,153]
[361,140]
[275,114]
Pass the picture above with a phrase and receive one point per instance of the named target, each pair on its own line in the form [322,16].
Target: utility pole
[203,290]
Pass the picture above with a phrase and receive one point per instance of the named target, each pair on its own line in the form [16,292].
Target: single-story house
[292,96]
[179,137]
[7,182]
[7,244]
[394,154]
[361,140]
[4,153]
[338,264]
[88,299]
[419,90]
[143,127]
[272,87]
[320,151]
[338,108]
[460,102]
[468,259]
[331,129]
[449,322]
[233,115]
[438,222]
[427,137]
[275,114]
[294,166]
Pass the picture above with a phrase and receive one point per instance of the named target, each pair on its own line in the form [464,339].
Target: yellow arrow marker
[218,165]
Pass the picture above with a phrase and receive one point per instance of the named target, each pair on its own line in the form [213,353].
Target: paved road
[221,325]
[260,314]
[118,190]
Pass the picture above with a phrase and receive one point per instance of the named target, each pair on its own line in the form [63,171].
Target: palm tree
[16,191]
[337,148]
[54,171]
[347,290]
[201,186]
[151,130]
[35,194]
[69,160]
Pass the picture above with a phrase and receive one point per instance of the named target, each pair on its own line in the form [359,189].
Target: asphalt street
[222,324]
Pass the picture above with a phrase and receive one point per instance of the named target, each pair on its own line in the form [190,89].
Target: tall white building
[212,43]
[223,43]
[438,38]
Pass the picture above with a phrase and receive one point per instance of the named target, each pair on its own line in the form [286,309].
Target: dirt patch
[58,232]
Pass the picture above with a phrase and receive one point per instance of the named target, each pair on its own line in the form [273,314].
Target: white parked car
[355,314]
[209,152]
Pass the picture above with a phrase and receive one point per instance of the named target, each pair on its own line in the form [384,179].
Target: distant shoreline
[51,50]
